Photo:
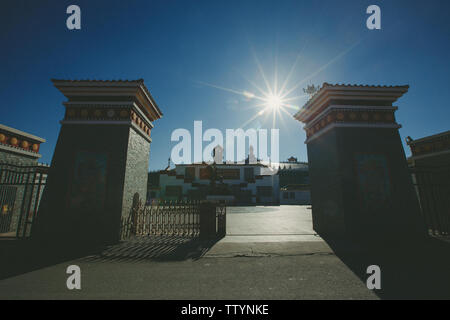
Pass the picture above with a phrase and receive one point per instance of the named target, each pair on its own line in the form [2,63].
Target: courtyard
[270,224]
[268,253]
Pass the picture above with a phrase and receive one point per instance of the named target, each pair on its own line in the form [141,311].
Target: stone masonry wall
[136,172]
[16,159]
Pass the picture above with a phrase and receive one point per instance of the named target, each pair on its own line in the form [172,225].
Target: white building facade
[246,183]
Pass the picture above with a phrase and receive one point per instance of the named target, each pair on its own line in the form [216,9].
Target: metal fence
[221,220]
[175,218]
[172,218]
[21,189]
[432,186]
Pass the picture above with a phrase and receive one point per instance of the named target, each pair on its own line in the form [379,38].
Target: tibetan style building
[241,183]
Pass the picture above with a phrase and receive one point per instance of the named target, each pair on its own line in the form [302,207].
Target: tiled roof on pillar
[348,94]
[116,89]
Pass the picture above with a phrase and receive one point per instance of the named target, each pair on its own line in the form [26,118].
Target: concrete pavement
[245,271]
[271,253]
[269,221]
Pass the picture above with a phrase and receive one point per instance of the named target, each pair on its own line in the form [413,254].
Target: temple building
[18,147]
[242,183]
[433,150]
[248,183]
[294,182]
[22,181]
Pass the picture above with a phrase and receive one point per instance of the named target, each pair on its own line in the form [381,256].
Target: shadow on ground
[156,248]
[22,256]
[409,270]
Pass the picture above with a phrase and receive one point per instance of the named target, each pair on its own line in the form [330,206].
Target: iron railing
[170,218]
[176,218]
[221,220]
[21,189]
[432,186]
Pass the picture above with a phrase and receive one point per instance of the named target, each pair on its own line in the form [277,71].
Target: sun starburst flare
[276,100]
[267,102]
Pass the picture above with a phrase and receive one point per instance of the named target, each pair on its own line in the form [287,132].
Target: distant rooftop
[20,133]
[19,142]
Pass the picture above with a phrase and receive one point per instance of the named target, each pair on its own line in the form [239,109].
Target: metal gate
[168,218]
[21,189]
[174,218]
[7,199]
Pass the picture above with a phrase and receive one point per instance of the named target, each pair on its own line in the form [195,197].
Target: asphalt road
[269,253]
[235,271]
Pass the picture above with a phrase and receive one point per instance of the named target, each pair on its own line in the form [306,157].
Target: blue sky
[177,46]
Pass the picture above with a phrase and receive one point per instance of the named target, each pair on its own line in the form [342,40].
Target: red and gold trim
[140,123]
[107,114]
[350,116]
[97,113]
[432,145]
[19,142]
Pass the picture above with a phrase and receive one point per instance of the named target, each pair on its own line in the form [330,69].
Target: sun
[275,98]
[273,102]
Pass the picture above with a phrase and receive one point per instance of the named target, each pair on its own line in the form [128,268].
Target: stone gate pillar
[361,186]
[100,160]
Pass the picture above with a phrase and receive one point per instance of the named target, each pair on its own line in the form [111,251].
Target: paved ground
[277,220]
[270,253]
[270,224]
[261,273]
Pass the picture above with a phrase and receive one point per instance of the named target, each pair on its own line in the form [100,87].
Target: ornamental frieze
[107,114]
[433,145]
[19,142]
[350,116]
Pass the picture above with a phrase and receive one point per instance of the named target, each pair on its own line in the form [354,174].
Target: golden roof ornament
[311,90]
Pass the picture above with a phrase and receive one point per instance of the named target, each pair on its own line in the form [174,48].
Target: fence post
[208,220]
[222,221]
[136,206]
